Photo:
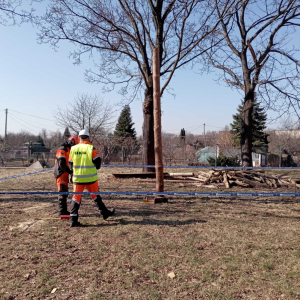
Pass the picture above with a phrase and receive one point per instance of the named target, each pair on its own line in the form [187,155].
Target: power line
[195,127]
[22,124]
[31,115]
[213,126]
[31,123]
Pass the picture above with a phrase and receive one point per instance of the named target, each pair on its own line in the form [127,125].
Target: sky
[35,80]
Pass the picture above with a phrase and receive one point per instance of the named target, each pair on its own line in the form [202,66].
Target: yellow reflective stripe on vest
[84,169]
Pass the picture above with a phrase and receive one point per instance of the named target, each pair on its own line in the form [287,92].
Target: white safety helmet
[83,132]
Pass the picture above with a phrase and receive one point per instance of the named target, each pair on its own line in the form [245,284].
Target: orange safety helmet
[74,140]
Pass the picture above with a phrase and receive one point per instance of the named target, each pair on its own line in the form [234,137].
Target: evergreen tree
[66,134]
[182,134]
[124,127]
[259,118]
[40,140]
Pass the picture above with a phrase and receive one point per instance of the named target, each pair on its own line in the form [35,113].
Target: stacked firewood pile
[231,178]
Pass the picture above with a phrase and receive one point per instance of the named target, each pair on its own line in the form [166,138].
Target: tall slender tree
[66,134]
[182,134]
[258,55]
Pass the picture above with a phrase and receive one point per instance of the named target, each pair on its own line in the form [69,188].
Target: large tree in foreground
[121,34]
[258,56]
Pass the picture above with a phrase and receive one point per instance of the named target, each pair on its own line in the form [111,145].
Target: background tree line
[248,41]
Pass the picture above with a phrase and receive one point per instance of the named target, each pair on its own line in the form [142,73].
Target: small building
[32,149]
[258,159]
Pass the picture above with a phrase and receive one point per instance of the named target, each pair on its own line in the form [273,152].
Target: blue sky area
[34,80]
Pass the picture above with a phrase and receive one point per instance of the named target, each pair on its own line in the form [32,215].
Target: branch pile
[231,178]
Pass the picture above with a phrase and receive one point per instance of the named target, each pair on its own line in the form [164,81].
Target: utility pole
[6,111]
[204,136]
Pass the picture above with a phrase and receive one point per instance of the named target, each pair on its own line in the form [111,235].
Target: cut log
[181,174]
[274,181]
[269,183]
[214,178]
[282,184]
[167,181]
[241,183]
[189,184]
[259,179]
[285,182]
[238,182]
[218,173]
[208,178]
[210,186]
[196,179]
[294,182]
[260,175]
[205,174]
[233,173]
[225,180]
[252,183]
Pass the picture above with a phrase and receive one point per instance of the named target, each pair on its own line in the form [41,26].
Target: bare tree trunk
[148,131]
[246,129]
[159,167]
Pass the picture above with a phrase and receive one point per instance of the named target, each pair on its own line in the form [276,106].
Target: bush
[224,161]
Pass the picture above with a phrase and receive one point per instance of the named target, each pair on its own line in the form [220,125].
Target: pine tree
[39,139]
[182,134]
[259,118]
[66,134]
[124,127]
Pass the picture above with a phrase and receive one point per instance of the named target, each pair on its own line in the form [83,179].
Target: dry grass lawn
[218,248]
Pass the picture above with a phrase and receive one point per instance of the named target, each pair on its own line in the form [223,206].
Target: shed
[207,152]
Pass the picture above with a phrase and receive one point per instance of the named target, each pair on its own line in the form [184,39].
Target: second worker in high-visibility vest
[85,160]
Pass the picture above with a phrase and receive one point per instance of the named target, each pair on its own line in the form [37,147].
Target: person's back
[85,161]
[83,158]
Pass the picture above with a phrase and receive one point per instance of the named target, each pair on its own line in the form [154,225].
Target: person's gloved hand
[71,178]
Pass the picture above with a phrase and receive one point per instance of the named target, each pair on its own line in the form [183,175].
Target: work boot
[108,213]
[74,222]
[74,214]
[102,208]
[62,201]
[63,210]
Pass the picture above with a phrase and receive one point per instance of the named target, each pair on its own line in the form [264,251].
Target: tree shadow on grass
[155,222]
[135,213]
[29,198]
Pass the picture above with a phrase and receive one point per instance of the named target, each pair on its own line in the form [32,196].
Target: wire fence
[176,151]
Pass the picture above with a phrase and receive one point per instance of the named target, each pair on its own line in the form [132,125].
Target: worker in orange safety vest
[62,172]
